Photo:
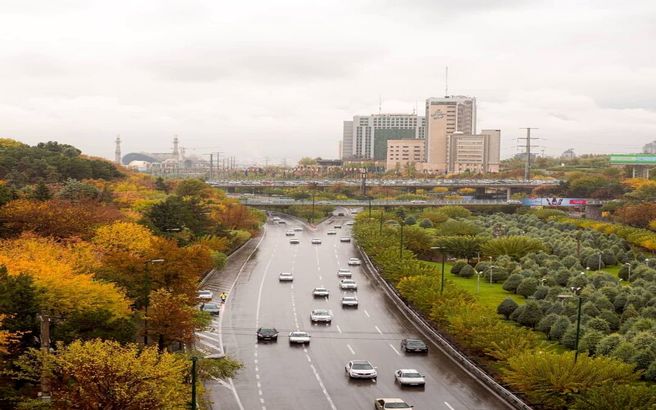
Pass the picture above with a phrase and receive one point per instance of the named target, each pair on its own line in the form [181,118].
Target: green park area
[534,297]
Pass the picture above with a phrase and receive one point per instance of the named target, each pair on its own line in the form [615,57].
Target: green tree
[455,211]
[512,282]
[176,213]
[20,306]
[467,271]
[41,192]
[559,328]
[161,185]
[514,246]
[74,190]
[613,396]
[531,314]
[590,340]
[461,246]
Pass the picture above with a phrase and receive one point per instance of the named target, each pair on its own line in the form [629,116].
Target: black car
[266,333]
[414,345]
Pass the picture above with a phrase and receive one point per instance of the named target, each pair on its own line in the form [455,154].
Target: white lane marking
[366,313]
[220,325]
[394,348]
[339,329]
[350,348]
[259,293]
[449,406]
[323,388]
[378,330]
[292,286]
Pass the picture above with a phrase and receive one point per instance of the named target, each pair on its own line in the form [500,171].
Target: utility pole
[527,167]
[211,165]
[45,349]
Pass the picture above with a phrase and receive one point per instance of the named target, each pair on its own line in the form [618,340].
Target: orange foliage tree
[171,317]
[56,218]
[59,273]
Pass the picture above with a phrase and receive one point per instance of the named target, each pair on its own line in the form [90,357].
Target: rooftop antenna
[380,104]
[446,81]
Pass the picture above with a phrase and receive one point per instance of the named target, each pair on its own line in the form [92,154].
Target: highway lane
[280,376]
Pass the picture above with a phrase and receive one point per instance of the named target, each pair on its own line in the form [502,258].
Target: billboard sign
[554,201]
[633,159]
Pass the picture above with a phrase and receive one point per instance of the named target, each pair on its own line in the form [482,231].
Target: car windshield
[411,375]
[349,298]
[211,306]
[267,331]
[362,366]
[320,289]
[299,334]
[417,343]
[204,292]
[397,406]
[320,312]
[285,274]
[344,270]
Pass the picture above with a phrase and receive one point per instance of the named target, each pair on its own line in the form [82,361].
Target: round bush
[589,341]
[527,287]
[624,351]
[455,268]
[546,322]
[411,220]
[512,282]
[608,344]
[568,339]
[593,262]
[467,271]
[531,315]
[599,325]
[559,328]
[541,292]
[507,307]
[426,223]
[650,374]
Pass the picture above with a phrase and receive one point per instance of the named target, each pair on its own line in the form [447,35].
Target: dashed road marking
[350,348]
[378,330]
[394,348]
[366,313]
[449,406]
[339,329]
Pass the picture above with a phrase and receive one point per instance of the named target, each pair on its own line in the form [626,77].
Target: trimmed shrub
[624,351]
[457,266]
[467,271]
[527,287]
[426,223]
[594,263]
[541,292]
[559,328]
[546,322]
[608,344]
[650,374]
[599,325]
[512,282]
[411,220]
[568,339]
[589,341]
[531,314]
[507,307]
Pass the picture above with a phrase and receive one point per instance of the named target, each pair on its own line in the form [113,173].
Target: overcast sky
[276,79]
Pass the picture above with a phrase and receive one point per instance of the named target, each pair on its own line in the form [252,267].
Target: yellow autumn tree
[56,271]
[123,237]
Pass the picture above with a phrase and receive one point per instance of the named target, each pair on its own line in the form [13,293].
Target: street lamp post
[401,242]
[577,291]
[147,296]
[441,249]
[194,359]
[369,198]
[629,265]
[491,267]
[599,266]
[382,215]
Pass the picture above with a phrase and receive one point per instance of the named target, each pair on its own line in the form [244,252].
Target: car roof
[361,361]
[408,370]
[391,400]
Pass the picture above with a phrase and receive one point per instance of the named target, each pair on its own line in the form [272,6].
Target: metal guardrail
[384,183]
[452,351]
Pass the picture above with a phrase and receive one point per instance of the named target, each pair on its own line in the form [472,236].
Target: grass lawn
[489,295]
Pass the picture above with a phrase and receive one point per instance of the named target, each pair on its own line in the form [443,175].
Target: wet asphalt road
[281,376]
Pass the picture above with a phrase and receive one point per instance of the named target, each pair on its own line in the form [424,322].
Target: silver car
[321,293]
[354,262]
[361,369]
[350,301]
[321,315]
[409,377]
[348,284]
[344,273]
[285,277]
[299,337]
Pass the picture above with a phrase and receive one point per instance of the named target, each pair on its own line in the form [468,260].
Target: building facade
[402,152]
[474,153]
[445,116]
[365,137]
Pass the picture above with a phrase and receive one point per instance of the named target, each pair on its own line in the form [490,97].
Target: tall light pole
[147,296]
[629,266]
[577,291]
[441,249]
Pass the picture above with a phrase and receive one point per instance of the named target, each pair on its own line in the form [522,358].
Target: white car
[289,233]
[391,403]
[344,273]
[321,293]
[299,337]
[345,239]
[332,232]
[205,294]
[348,284]
[286,277]
[354,262]
[350,301]
[316,241]
[409,377]
[298,229]
[294,241]
[321,315]
[360,369]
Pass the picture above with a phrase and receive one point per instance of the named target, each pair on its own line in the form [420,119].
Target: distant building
[444,116]
[474,153]
[403,152]
[366,136]
[649,148]
[569,154]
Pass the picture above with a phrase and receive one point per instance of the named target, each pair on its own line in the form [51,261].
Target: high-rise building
[117,151]
[445,116]
[347,140]
[474,153]
[366,136]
